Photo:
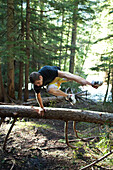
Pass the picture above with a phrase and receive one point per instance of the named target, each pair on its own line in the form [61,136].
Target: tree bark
[40,35]
[112,86]
[10,39]
[73,39]
[108,82]
[67,44]
[26,94]
[57,114]
[21,63]
[3,95]
[60,56]
[1,86]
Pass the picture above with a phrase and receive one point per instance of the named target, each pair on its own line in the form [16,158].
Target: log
[57,114]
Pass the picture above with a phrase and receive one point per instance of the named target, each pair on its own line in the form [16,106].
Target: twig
[13,161]
[98,160]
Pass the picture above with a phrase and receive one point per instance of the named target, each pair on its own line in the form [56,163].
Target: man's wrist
[44,109]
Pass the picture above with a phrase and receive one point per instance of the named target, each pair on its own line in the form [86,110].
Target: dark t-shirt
[49,73]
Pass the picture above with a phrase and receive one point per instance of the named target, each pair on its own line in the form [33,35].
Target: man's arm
[39,100]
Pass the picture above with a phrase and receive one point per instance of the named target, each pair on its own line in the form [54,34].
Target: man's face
[39,82]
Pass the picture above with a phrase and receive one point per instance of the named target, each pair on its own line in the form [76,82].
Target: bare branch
[98,160]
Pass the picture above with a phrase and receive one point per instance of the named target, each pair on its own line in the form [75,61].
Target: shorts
[56,83]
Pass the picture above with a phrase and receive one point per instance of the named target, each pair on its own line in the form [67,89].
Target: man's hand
[40,111]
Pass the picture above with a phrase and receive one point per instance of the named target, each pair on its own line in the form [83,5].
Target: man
[53,77]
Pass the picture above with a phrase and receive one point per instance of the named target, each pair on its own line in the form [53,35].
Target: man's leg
[73,77]
[54,90]
[53,87]
[57,92]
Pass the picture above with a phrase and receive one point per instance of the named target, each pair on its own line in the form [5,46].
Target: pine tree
[21,64]
[27,49]
[10,39]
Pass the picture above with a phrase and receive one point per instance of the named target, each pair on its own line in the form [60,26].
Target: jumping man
[52,76]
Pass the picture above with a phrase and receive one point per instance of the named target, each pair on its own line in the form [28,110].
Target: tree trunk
[34,61]
[21,63]
[40,34]
[10,39]
[20,81]
[73,39]
[1,86]
[108,81]
[26,94]
[60,56]
[3,95]
[112,86]
[57,114]
[67,43]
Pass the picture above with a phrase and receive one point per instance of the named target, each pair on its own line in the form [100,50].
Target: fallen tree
[56,113]
[64,114]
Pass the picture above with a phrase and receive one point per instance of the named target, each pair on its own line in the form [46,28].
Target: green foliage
[73,85]
[97,147]
[50,39]
[31,125]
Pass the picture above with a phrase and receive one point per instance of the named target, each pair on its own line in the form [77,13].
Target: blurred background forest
[73,34]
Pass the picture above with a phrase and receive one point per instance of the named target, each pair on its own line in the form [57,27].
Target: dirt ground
[40,145]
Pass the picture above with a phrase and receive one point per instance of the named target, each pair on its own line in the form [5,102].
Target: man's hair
[34,76]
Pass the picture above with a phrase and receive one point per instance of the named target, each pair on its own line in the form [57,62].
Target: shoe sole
[97,85]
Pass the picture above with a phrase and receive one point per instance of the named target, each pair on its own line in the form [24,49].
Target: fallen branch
[98,160]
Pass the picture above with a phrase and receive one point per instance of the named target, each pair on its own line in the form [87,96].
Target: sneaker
[71,98]
[96,84]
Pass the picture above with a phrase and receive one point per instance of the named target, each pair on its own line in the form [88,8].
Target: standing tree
[74,36]
[10,41]
[61,42]
[1,86]
[21,62]
[27,49]
[108,76]
[112,84]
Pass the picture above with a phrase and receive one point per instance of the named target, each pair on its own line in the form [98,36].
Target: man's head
[36,79]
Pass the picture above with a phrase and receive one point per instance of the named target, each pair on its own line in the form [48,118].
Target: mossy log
[56,113]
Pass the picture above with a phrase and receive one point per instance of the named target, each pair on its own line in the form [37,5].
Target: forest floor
[40,144]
